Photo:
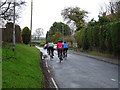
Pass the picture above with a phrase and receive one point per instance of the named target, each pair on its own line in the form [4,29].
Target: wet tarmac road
[82,72]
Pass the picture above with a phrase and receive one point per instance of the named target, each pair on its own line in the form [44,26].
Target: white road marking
[113,79]
[46,65]
[49,71]
[54,84]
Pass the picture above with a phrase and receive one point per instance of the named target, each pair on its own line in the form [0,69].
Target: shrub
[26,35]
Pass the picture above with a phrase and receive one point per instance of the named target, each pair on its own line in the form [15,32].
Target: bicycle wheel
[65,57]
[60,59]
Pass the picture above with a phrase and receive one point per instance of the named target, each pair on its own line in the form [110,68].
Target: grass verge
[99,54]
[72,48]
[23,70]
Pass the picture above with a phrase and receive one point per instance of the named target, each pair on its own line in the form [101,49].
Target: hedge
[103,38]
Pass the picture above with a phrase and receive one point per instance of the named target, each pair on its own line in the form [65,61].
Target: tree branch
[6,8]
[3,4]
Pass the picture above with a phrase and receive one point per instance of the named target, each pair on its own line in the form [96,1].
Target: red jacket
[59,45]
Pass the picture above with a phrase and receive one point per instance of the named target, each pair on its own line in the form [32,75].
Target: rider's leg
[48,51]
[61,51]
[66,51]
[52,51]
[58,52]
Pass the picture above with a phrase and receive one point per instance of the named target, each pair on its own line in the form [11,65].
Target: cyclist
[51,49]
[65,46]
[60,49]
[46,46]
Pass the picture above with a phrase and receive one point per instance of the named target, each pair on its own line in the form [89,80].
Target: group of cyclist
[62,48]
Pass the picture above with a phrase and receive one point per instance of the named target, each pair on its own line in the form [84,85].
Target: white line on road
[113,79]
[54,84]
[49,71]
[46,64]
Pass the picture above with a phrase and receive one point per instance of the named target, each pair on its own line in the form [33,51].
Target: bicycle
[65,54]
[60,55]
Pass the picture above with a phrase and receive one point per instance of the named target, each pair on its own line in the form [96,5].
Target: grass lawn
[71,48]
[41,40]
[23,70]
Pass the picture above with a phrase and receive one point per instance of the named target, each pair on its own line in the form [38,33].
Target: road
[83,72]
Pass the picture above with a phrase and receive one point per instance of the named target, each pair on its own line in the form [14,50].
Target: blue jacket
[65,45]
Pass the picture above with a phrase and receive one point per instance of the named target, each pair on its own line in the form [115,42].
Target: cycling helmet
[60,41]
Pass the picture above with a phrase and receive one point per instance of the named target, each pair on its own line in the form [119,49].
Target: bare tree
[39,32]
[6,9]
[75,15]
[113,9]
[34,36]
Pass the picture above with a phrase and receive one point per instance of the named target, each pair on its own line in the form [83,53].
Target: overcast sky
[46,12]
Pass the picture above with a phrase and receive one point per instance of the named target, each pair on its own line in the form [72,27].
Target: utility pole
[31,21]
[14,27]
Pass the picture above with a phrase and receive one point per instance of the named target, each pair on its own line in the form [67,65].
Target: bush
[42,44]
[115,37]
[81,37]
[26,35]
